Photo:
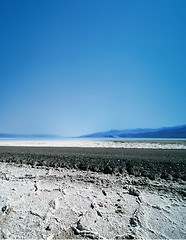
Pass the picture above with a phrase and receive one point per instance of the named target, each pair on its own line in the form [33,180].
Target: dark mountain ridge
[164,132]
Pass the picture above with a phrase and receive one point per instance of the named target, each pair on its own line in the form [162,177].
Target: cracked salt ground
[41,203]
[169,211]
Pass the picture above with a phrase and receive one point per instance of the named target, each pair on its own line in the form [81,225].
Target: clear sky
[73,67]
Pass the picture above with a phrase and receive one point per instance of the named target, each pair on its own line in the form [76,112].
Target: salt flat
[92,193]
[97,144]
[47,203]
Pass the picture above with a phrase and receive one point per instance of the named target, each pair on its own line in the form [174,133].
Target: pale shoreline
[164,144]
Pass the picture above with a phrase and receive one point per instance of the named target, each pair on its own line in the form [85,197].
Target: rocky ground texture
[152,163]
[39,201]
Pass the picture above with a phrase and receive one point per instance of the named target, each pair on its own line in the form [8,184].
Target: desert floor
[72,193]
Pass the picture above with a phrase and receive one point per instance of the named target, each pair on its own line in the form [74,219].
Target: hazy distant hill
[28,136]
[166,132]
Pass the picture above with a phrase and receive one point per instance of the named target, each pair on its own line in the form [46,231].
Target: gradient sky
[72,67]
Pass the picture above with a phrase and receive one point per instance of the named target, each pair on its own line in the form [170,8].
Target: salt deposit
[96,144]
[44,203]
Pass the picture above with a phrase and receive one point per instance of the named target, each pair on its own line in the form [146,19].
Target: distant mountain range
[164,132]
[28,136]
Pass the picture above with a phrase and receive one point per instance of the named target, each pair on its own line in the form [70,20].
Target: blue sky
[72,67]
